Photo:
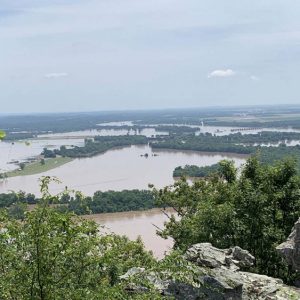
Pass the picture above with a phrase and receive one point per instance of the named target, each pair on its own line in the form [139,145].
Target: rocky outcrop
[217,276]
[290,249]
[205,255]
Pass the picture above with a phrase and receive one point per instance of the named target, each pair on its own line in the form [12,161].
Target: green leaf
[2,134]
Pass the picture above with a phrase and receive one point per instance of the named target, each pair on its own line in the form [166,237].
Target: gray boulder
[205,255]
[217,276]
[290,249]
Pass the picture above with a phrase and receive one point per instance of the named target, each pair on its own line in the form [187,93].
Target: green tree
[255,211]
[54,255]
[2,134]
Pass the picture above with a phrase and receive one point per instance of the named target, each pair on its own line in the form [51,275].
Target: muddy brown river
[137,223]
[118,169]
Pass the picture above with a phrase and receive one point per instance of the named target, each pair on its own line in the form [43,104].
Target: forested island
[98,145]
[229,144]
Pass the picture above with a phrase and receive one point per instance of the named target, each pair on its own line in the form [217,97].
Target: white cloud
[222,73]
[254,78]
[55,75]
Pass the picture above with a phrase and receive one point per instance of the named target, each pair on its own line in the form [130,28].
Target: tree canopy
[255,210]
[55,255]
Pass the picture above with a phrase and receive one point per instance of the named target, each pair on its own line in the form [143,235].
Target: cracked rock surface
[219,277]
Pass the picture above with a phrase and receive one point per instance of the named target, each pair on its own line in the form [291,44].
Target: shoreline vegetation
[101,202]
[38,167]
[116,201]
[194,172]
[230,144]
[96,146]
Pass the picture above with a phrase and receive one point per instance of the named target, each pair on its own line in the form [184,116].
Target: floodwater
[222,130]
[119,123]
[137,223]
[21,150]
[226,130]
[119,169]
[148,132]
[286,142]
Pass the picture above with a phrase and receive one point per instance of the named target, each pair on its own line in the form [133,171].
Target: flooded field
[148,132]
[19,151]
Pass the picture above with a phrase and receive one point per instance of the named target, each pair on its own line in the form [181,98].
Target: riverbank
[37,167]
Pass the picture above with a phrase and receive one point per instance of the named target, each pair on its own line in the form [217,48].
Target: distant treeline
[235,142]
[13,136]
[9,199]
[254,124]
[261,137]
[111,201]
[266,155]
[100,144]
[203,142]
[168,128]
[100,202]
[195,171]
[65,122]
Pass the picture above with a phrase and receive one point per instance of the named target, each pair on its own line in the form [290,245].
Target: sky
[93,55]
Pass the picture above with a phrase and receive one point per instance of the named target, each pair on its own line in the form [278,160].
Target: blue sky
[84,55]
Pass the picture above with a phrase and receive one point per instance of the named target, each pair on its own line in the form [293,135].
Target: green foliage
[2,134]
[195,171]
[227,170]
[112,201]
[6,200]
[101,202]
[54,255]
[17,211]
[255,211]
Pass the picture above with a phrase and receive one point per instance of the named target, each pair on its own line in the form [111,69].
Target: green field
[37,167]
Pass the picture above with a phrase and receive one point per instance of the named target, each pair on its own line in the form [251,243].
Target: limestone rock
[132,272]
[205,255]
[218,277]
[290,249]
